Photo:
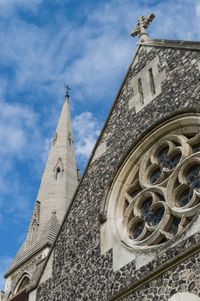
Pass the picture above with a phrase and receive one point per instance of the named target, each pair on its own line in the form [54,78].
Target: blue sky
[44,44]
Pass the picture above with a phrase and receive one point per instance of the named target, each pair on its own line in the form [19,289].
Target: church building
[130,228]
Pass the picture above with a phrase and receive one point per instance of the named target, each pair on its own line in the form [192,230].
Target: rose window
[161,192]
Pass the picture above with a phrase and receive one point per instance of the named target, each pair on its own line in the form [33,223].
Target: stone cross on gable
[142,25]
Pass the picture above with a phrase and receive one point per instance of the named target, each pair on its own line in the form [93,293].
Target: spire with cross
[67,89]
[141,26]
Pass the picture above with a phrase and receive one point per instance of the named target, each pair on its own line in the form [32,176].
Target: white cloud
[42,56]
[198,9]
[91,57]
[20,141]
[9,6]
[47,145]
[13,121]
[180,21]
[91,72]
[86,129]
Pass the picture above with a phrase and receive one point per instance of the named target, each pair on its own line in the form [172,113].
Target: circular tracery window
[158,188]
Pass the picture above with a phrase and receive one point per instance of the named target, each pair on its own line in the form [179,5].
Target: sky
[44,45]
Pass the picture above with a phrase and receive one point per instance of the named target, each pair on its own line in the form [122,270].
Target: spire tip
[67,89]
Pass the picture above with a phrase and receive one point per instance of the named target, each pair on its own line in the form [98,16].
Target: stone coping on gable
[171,43]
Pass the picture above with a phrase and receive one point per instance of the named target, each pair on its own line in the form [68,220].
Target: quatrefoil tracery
[144,215]
[165,193]
[184,193]
[165,155]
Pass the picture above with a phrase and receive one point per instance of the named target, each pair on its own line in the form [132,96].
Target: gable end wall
[80,271]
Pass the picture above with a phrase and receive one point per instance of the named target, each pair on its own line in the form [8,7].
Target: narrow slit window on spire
[140,89]
[58,173]
[152,83]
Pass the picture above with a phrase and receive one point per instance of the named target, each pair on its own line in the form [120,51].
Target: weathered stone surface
[80,271]
[182,278]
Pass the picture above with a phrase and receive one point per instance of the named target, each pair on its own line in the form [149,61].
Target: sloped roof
[49,233]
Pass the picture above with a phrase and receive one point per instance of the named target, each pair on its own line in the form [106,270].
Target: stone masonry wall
[28,267]
[80,271]
[185,277]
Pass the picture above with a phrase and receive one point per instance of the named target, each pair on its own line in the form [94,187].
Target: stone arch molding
[22,282]
[184,297]
[156,194]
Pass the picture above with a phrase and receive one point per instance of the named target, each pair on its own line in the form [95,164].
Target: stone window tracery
[159,194]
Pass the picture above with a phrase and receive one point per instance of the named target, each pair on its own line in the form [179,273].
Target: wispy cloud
[180,22]
[86,130]
[9,6]
[20,140]
[90,56]
[38,57]
[83,43]
[14,120]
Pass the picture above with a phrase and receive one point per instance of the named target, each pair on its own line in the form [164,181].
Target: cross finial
[142,25]
[67,89]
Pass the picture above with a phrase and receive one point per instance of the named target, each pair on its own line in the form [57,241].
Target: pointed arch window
[58,170]
[22,283]
[58,173]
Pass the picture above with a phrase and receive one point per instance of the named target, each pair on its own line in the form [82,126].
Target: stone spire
[55,194]
[59,179]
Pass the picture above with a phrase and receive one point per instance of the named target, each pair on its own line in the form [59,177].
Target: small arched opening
[58,173]
[22,283]
[25,282]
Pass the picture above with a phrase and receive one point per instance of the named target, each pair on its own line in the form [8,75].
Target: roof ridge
[171,43]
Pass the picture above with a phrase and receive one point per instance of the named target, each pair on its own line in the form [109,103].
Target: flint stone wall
[185,277]
[80,271]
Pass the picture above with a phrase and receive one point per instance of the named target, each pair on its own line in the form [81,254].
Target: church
[129,229]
